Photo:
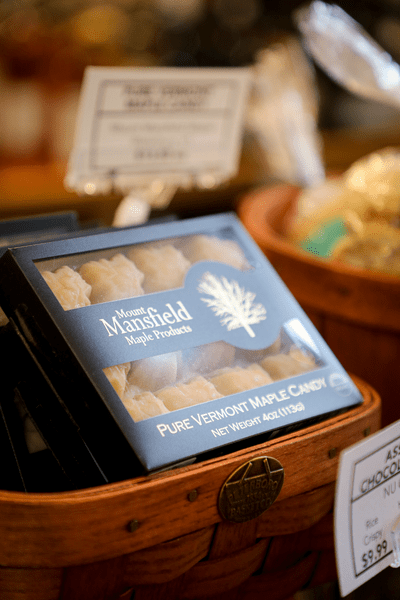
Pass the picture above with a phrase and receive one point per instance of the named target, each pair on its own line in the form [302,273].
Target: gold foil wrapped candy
[354,218]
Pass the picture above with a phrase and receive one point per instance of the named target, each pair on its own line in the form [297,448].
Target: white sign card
[367,504]
[175,125]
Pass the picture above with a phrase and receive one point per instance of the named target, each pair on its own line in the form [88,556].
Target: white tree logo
[231,302]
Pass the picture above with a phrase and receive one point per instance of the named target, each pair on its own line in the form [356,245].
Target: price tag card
[367,504]
[135,124]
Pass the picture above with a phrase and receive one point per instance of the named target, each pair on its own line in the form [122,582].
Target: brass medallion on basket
[251,489]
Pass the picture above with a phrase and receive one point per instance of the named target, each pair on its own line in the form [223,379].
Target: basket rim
[347,292]
[65,528]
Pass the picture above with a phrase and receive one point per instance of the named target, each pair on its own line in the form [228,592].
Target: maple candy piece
[117,376]
[188,394]
[303,357]
[142,405]
[275,346]
[257,355]
[155,372]
[112,279]
[68,287]
[282,366]
[164,266]
[208,357]
[231,381]
[208,247]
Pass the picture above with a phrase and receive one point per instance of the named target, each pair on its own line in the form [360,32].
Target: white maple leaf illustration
[231,302]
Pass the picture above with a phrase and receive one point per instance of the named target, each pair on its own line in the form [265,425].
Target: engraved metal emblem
[251,489]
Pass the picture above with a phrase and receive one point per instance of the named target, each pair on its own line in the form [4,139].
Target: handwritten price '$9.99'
[372,556]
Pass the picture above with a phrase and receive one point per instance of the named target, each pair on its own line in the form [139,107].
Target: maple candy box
[166,342]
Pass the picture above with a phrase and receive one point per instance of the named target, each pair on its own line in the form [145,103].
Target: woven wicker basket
[162,536]
[356,311]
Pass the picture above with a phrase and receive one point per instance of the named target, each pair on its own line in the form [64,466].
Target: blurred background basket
[356,311]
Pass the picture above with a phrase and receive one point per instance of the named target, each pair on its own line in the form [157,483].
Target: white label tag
[165,123]
[366,505]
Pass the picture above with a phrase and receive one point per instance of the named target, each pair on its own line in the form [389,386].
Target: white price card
[173,124]
[367,504]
